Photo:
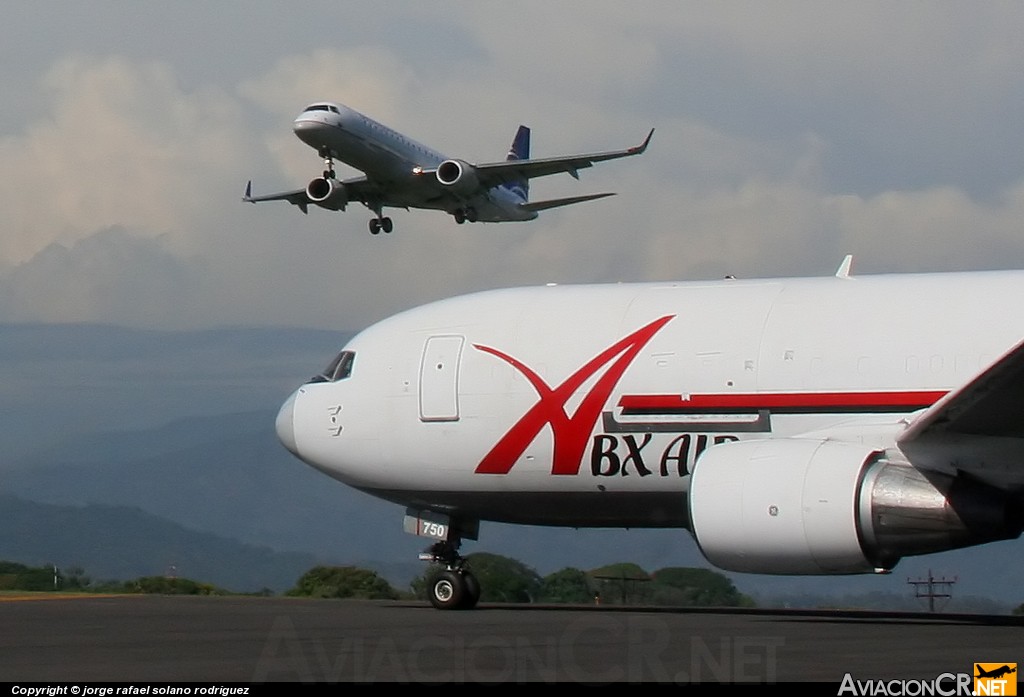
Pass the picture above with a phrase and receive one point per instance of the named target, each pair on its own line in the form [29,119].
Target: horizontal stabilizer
[537,206]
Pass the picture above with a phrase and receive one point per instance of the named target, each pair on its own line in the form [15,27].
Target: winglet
[643,146]
[844,269]
[248,192]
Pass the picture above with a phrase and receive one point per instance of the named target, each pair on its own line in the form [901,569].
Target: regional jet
[794,426]
[398,172]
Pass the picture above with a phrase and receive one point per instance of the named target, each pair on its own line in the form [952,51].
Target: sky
[788,134]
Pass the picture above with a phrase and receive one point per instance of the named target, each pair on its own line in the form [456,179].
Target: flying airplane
[794,426]
[401,173]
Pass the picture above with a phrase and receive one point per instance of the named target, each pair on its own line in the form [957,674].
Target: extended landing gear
[453,590]
[381,223]
[454,587]
[463,215]
[328,164]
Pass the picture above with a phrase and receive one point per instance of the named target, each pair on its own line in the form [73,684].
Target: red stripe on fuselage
[784,402]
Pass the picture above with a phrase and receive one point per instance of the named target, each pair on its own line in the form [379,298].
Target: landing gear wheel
[374,226]
[460,216]
[386,225]
[471,215]
[472,591]
[448,591]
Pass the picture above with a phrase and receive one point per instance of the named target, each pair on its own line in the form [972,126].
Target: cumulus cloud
[118,144]
[786,138]
[110,276]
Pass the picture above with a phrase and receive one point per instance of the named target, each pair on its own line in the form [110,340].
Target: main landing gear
[380,223]
[454,587]
[463,215]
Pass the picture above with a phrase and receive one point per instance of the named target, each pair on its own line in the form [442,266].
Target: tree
[162,585]
[502,579]
[74,578]
[699,587]
[343,582]
[14,576]
[624,583]
[567,586]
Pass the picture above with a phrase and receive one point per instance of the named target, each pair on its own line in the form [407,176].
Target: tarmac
[216,640]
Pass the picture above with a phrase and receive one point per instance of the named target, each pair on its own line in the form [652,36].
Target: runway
[257,640]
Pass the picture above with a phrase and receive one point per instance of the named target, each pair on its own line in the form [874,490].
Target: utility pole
[932,588]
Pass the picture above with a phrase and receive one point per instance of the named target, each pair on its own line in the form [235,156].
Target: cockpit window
[322,107]
[339,369]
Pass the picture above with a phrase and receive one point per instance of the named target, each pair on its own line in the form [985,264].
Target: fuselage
[396,162]
[589,405]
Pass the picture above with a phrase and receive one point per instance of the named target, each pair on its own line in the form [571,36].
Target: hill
[118,542]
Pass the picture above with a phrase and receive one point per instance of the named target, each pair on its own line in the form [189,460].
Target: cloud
[786,137]
[118,144]
[110,277]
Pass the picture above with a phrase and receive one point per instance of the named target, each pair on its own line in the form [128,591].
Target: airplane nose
[285,425]
[309,130]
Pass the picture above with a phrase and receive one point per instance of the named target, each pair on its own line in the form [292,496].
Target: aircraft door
[439,378]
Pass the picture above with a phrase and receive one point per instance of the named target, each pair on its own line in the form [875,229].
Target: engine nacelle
[458,175]
[327,193]
[793,506]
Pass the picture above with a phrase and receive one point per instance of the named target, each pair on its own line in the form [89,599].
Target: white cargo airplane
[401,173]
[794,426]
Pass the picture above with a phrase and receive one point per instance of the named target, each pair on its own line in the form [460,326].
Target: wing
[297,197]
[977,429]
[989,405]
[358,188]
[492,174]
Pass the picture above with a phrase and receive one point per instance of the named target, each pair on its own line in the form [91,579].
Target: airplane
[794,426]
[401,173]
[996,672]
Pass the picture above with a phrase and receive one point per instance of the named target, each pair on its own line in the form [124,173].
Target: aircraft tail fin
[520,150]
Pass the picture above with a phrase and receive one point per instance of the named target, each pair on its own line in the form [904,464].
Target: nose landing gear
[454,587]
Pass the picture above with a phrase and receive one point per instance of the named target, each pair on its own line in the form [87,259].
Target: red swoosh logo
[570,433]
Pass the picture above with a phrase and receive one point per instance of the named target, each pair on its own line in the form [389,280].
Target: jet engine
[327,193]
[458,175]
[794,506]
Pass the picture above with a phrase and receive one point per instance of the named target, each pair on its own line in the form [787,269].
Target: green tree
[624,583]
[696,587]
[502,579]
[162,585]
[343,582]
[567,586]
[14,576]
[74,578]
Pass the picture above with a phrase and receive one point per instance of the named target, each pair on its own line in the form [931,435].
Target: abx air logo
[570,433]
[995,678]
